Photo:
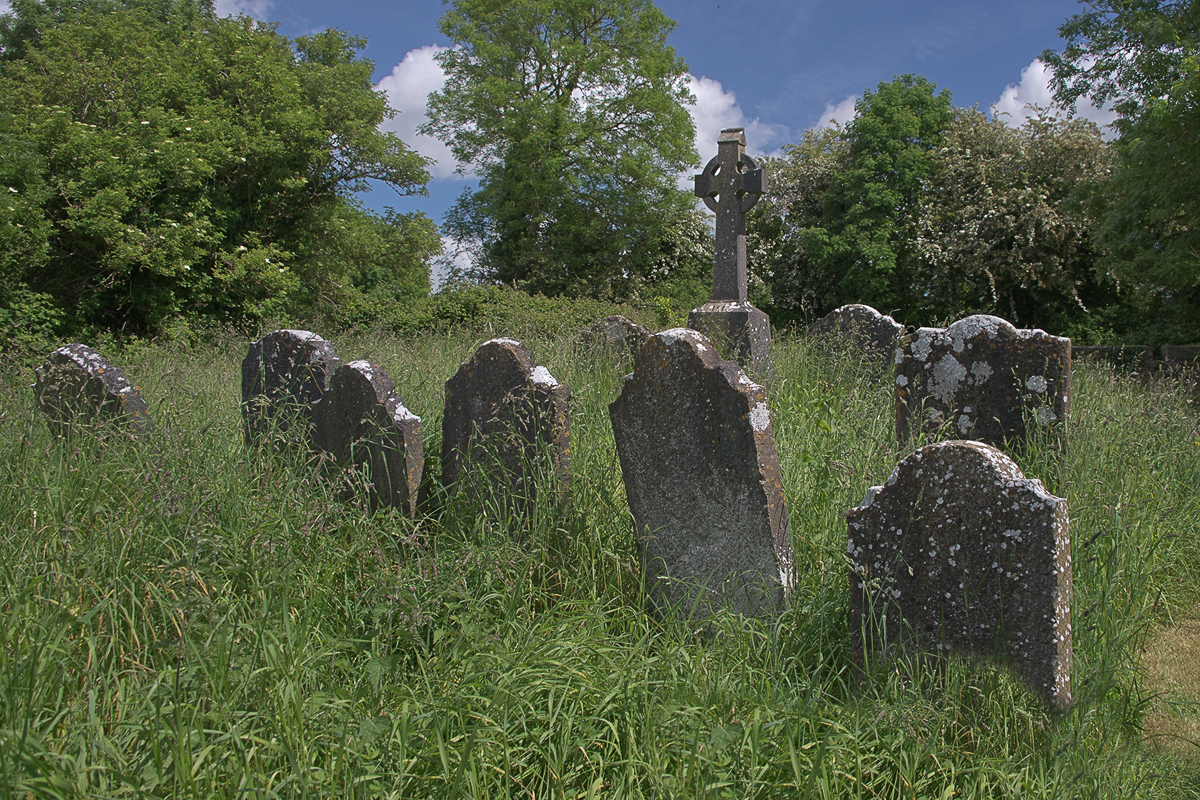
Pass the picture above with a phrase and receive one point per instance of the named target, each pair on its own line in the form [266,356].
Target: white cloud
[408,89]
[5,7]
[1034,89]
[250,8]
[716,109]
[840,113]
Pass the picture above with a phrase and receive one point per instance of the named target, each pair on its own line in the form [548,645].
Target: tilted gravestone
[78,386]
[283,374]
[617,333]
[361,420]
[959,551]
[862,326]
[981,379]
[730,185]
[702,475]
[503,416]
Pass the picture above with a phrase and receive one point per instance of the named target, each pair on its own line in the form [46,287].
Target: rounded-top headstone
[283,373]
[960,551]
[502,411]
[76,385]
[361,419]
[982,379]
[618,333]
[873,333]
[702,476]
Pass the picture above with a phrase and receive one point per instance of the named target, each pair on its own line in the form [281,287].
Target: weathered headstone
[863,327]
[959,551]
[981,378]
[702,475]
[78,386]
[283,374]
[619,334]
[730,185]
[361,419]
[502,415]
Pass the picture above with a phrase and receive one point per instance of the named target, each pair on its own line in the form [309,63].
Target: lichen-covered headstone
[873,333]
[78,386]
[362,420]
[981,379]
[283,374]
[702,476]
[619,334]
[503,417]
[960,551]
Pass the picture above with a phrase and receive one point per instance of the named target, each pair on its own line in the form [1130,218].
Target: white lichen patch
[965,424]
[363,367]
[1036,383]
[760,417]
[981,371]
[1044,415]
[542,377]
[401,415]
[502,340]
[923,344]
[946,375]
[902,380]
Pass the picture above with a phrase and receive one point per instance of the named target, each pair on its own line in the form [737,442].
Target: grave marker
[283,374]
[959,551]
[702,476]
[76,385]
[502,413]
[981,378]
[730,185]
[361,419]
[862,326]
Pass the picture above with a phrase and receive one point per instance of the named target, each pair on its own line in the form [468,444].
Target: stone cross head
[730,186]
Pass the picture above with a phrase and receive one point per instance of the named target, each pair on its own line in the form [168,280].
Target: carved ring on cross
[749,183]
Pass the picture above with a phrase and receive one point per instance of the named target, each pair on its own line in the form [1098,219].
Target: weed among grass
[190,617]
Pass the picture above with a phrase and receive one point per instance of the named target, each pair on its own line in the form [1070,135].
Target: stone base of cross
[730,185]
[739,330]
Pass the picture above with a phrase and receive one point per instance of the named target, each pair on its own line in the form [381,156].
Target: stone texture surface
[78,386]
[980,378]
[502,414]
[362,420]
[283,373]
[619,334]
[960,551]
[702,476]
[862,326]
[739,330]
[730,185]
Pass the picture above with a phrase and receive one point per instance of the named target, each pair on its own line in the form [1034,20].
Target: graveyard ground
[186,617]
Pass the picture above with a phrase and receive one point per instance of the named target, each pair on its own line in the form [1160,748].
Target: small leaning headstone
[730,185]
[702,476]
[981,379]
[78,386]
[865,328]
[617,333]
[503,414]
[361,419]
[283,374]
[960,551]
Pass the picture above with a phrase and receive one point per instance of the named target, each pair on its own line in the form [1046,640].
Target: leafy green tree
[185,165]
[571,114]
[1141,56]
[1004,224]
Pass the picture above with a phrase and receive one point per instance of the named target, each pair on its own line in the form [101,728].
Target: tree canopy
[162,162]
[1141,56]
[571,114]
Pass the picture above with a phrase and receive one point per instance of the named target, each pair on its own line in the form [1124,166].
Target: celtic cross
[730,186]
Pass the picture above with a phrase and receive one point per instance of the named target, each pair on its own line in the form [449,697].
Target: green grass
[184,617]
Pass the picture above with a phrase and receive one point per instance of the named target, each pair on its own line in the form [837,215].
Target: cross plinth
[730,186]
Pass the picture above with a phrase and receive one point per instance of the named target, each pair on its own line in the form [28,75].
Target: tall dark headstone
[959,551]
[981,379]
[730,185]
[78,386]
[283,374]
[503,415]
[702,475]
[362,420]
[862,327]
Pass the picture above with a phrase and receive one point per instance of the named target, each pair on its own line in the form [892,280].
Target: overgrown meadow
[187,616]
